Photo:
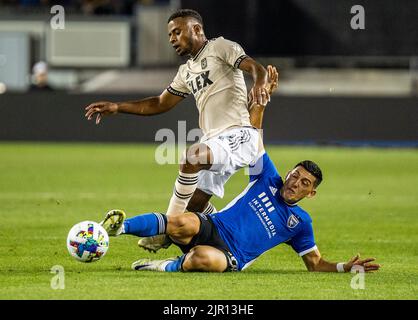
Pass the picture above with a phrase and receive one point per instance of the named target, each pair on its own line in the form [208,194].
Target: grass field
[368,203]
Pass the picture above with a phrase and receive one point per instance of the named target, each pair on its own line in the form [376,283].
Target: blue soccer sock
[146,225]
[176,265]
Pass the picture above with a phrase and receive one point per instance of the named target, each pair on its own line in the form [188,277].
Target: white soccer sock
[184,188]
[210,208]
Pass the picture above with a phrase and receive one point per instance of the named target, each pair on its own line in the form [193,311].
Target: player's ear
[287,175]
[197,28]
[311,194]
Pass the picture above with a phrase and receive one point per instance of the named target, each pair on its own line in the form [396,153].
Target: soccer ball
[87,241]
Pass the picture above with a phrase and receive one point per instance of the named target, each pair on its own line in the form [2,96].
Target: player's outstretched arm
[314,262]
[146,107]
[259,93]
[257,110]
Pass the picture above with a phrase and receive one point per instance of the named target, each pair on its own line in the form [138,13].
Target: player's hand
[272,79]
[364,264]
[99,109]
[272,83]
[259,95]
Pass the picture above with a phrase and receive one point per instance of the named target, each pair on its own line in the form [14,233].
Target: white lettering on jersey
[260,207]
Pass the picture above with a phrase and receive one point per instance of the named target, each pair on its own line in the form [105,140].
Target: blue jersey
[258,219]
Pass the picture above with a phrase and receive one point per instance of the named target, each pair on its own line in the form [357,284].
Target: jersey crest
[292,221]
[204,63]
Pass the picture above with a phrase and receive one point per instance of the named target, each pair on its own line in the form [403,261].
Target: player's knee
[197,157]
[189,168]
[177,221]
[182,226]
[200,259]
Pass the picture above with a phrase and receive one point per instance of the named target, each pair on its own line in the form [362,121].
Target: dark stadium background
[292,34]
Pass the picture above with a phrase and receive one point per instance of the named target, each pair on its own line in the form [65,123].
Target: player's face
[299,184]
[181,35]
[41,78]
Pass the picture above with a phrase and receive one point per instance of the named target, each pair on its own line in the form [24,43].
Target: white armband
[340,267]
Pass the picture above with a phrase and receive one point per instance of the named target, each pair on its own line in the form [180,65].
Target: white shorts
[232,150]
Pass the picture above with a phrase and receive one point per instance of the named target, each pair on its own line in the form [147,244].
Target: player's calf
[200,202]
[197,157]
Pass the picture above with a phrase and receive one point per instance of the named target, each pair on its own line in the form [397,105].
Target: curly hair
[186,13]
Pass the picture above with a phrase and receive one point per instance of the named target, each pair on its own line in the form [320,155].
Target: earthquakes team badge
[292,221]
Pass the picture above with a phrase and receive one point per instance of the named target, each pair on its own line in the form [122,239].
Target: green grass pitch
[368,203]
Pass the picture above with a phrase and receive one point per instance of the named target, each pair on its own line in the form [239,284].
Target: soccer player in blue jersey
[263,216]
